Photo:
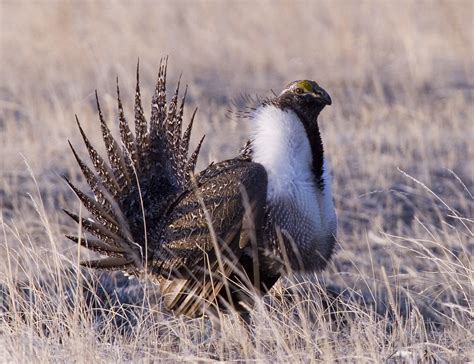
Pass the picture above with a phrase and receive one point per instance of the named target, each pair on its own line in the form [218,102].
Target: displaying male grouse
[209,238]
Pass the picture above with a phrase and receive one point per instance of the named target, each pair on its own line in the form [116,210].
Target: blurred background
[400,73]
[367,54]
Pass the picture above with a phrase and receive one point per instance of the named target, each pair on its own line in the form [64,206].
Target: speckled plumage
[151,213]
[205,238]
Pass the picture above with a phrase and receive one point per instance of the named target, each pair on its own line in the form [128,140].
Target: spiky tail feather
[144,174]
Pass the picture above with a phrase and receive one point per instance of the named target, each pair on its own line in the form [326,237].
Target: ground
[398,137]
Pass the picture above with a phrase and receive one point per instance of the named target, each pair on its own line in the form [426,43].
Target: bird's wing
[207,230]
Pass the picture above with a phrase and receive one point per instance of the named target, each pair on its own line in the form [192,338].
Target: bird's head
[305,97]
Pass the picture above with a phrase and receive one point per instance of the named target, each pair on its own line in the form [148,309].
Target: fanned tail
[144,173]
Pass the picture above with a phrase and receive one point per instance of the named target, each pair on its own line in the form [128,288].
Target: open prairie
[398,136]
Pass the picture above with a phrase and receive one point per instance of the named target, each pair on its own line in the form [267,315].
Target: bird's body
[210,237]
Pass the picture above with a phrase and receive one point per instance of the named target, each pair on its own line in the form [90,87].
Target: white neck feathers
[281,145]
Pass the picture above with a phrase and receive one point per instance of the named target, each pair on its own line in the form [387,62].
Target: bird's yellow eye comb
[305,85]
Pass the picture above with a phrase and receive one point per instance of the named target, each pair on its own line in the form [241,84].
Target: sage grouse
[208,239]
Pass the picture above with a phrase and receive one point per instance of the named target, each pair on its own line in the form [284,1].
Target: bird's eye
[299,90]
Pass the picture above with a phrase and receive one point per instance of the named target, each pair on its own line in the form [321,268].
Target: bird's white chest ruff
[281,145]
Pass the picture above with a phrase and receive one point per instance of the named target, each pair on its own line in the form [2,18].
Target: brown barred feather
[171,123]
[191,165]
[128,139]
[98,246]
[173,132]
[180,155]
[246,151]
[116,158]
[111,263]
[141,128]
[187,134]
[97,229]
[102,169]
[92,181]
[158,102]
[179,119]
[184,145]
[102,215]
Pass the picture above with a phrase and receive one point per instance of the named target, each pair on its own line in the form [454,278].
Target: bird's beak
[323,96]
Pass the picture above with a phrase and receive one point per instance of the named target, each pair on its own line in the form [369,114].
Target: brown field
[401,76]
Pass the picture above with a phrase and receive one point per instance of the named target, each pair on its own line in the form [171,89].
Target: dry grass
[401,78]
